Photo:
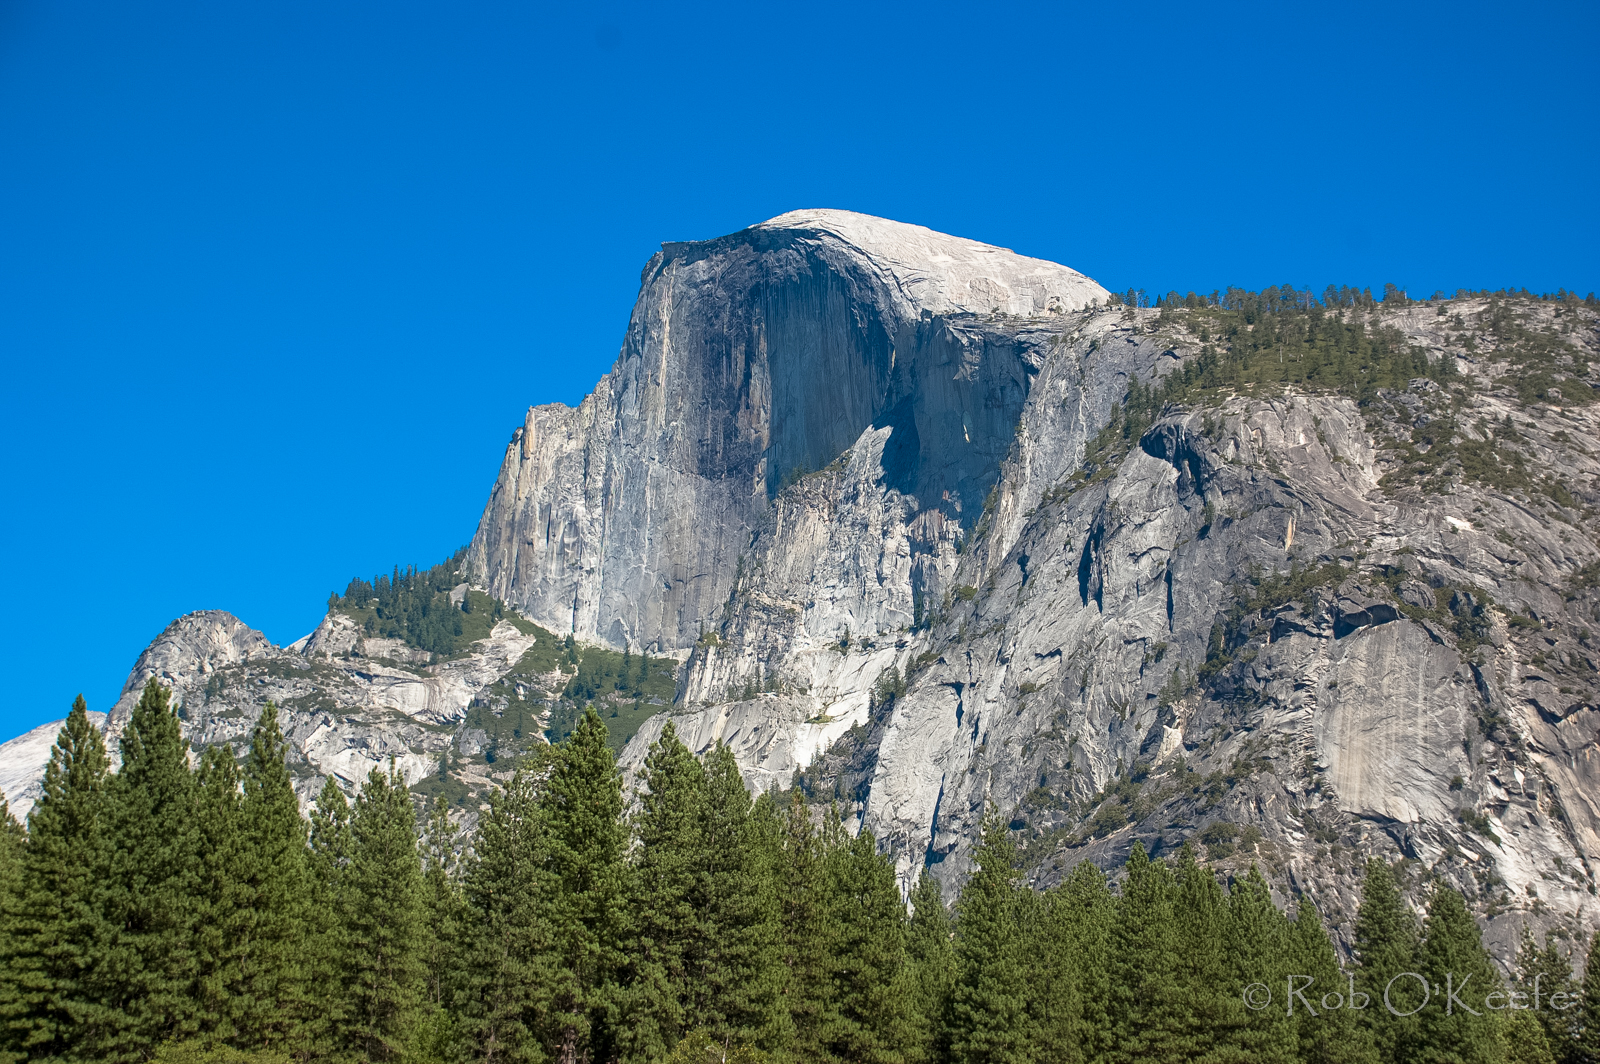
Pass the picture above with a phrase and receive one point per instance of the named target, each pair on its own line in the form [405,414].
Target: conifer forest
[187,912]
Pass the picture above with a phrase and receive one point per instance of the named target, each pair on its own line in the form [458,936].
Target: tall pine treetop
[1385,947]
[382,901]
[1455,1030]
[75,775]
[584,834]
[150,893]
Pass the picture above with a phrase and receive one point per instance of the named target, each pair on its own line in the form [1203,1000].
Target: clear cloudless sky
[278,280]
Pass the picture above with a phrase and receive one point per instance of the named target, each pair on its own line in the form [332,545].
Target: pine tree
[149,891]
[1084,910]
[12,841]
[1055,1006]
[444,928]
[800,870]
[765,832]
[1543,972]
[867,1018]
[931,971]
[1207,1008]
[219,902]
[506,984]
[267,977]
[1258,949]
[1149,1013]
[1459,1030]
[50,1002]
[583,823]
[739,979]
[988,1012]
[1523,1040]
[322,1011]
[1587,1049]
[1386,947]
[12,838]
[663,932]
[383,930]
[1335,1035]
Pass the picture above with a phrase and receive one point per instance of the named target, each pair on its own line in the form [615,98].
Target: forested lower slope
[178,913]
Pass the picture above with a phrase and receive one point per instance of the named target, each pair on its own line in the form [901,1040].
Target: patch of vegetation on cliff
[626,689]
[1492,455]
[842,774]
[1260,592]
[1543,367]
[799,473]
[1585,579]
[441,786]
[1460,609]
[1276,338]
[1281,337]
[414,606]
[544,695]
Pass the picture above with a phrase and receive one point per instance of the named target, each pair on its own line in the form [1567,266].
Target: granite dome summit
[945,274]
[749,358]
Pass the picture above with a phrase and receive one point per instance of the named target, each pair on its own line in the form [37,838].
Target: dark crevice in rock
[1089,579]
[1351,616]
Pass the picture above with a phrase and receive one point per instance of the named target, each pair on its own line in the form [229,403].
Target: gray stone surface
[345,706]
[22,762]
[1068,633]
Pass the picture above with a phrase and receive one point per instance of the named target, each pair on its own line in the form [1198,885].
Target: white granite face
[945,274]
[749,359]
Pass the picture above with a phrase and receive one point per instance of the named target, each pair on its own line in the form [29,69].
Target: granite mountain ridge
[922,525]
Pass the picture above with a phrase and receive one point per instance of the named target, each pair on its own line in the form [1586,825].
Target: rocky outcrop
[193,648]
[1382,707]
[346,706]
[1247,627]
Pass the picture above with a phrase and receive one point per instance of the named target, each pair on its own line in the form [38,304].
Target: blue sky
[277,281]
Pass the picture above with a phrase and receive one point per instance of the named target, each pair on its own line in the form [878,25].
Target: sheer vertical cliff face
[749,361]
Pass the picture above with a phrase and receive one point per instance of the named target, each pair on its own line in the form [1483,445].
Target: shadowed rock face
[750,360]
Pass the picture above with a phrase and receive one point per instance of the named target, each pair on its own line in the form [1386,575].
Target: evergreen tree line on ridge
[186,914]
[1277,297]
[413,605]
